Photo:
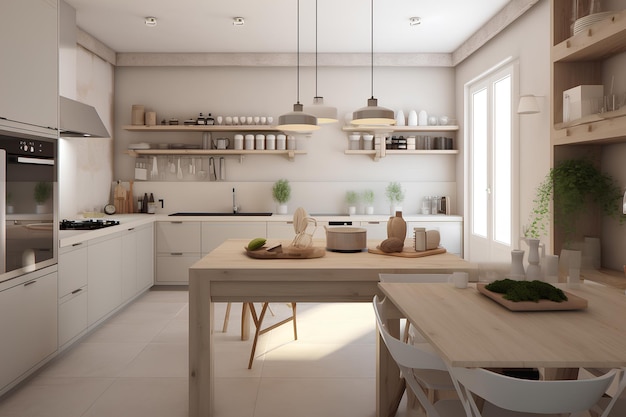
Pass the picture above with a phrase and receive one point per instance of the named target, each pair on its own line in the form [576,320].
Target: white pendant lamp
[298,121]
[325,114]
[373,114]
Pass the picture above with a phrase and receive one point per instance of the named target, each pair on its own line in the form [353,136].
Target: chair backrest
[413,277]
[531,396]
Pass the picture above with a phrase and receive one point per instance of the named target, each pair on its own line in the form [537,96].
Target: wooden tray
[408,252]
[573,302]
[286,253]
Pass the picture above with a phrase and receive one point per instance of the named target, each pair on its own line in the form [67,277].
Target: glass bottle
[200,120]
[209,120]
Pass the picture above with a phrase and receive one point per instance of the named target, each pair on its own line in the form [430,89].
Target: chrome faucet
[235,208]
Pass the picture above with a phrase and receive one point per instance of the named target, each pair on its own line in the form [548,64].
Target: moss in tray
[527,290]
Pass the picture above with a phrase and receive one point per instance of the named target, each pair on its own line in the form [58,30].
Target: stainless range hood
[80,120]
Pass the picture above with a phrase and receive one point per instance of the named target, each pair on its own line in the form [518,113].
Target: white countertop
[128,221]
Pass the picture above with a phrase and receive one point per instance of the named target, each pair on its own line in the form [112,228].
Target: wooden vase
[396,227]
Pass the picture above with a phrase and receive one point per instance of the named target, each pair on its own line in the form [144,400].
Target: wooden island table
[228,274]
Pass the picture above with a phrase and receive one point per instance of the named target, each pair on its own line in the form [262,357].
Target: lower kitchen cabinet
[104,278]
[178,246]
[28,319]
[72,292]
[137,260]
[214,233]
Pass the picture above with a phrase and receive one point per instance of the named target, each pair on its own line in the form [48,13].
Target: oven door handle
[36,161]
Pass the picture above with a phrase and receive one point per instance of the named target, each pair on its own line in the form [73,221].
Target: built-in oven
[28,189]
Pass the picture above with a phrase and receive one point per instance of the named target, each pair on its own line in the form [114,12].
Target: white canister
[238,141]
[354,142]
[368,142]
[281,142]
[420,238]
[291,143]
[138,114]
[260,142]
[249,142]
[270,142]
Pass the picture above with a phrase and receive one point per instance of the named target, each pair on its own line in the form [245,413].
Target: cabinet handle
[179,222]
[26,284]
[131,229]
[373,222]
[176,254]
[77,291]
[77,244]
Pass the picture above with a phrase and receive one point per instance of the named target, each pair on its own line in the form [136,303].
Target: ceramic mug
[459,279]
[222,143]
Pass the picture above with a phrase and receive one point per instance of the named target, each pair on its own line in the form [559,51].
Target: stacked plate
[584,22]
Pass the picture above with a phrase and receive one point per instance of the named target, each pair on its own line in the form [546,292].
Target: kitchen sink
[199,213]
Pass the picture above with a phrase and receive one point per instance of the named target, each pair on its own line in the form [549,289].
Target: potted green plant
[281,192]
[42,192]
[395,195]
[570,186]
[368,199]
[352,198]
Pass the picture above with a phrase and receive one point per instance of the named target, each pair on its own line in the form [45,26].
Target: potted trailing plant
[570,186]
[42,192]
[281,192]
[395,195]
[352,198]
[368,199]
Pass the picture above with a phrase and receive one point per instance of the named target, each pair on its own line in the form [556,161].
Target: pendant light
[298,121]
[373,114]
[325,114]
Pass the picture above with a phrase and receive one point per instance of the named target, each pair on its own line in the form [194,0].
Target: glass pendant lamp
[298,121]
[325,114]
[373,114]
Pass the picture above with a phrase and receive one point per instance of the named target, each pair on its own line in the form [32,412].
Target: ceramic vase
[352,210]
[369,210]
[533,271]
[396,227]
[413,118]
[517,265]
[282,209]
[400,121]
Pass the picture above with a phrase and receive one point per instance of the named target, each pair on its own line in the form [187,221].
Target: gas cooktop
[87,224]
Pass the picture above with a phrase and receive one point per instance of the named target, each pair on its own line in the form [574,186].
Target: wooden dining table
[229,274]
[469,329]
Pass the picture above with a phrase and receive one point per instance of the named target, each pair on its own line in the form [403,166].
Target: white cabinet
[29,50]
[451,233]
[178,246]
[214,233]
[137,260]
[72,292]
[376,230]
[104,260]
[28,319]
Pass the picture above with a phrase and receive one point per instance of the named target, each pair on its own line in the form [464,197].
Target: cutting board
[409,252]
[288,252]
[573,302]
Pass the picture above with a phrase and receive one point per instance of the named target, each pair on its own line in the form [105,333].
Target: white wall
[322,176]
[528,41]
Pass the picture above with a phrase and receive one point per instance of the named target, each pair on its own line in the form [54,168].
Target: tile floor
[135,365]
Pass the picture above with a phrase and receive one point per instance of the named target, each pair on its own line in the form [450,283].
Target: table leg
[201,378]
[245,321]
[389,384]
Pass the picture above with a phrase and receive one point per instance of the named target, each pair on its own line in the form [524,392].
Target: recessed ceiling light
[238,21]
[415,21]
[151,21]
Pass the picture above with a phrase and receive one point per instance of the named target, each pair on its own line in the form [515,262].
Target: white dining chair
[422,368]
[506,396]
[409,334]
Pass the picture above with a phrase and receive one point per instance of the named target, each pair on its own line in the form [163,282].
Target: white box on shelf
[582,101]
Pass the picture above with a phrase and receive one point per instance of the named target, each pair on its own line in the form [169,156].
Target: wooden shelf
[601,40]
[209,152]
[593,129]
[201,128]
[377,154]
[391,129]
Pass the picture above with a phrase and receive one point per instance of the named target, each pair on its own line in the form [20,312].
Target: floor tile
[159,360]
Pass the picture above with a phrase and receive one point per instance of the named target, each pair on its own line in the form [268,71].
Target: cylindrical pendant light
[325,114]
[373,114]
[298,121]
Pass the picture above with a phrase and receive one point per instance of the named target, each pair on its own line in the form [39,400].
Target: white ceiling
[270,25]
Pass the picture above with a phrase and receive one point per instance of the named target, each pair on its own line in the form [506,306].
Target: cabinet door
[29,50]
[72,268]
[28,319]
[104,278]
[145,257]
[178,237]
[174,269]
[214,233]
[377,230]
[129,264]
[451,234]
[72,315]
